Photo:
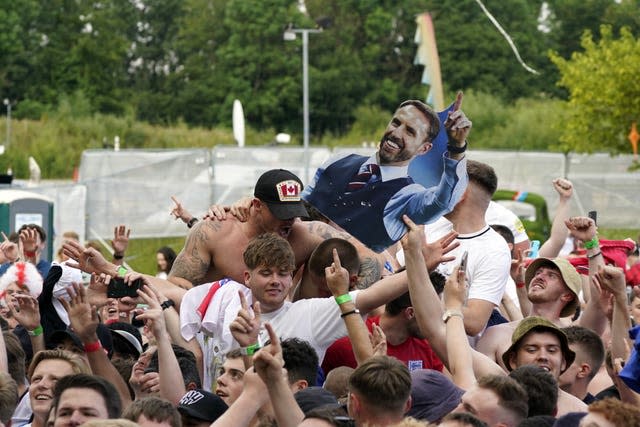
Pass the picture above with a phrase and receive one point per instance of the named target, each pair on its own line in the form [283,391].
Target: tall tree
[604,92]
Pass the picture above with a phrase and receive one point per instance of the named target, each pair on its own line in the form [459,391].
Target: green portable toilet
[19,207]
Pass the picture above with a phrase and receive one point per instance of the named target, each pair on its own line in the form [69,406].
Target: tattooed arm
[195,259]
[309,234]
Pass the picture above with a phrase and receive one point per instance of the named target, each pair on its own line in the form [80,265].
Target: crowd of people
[273,314]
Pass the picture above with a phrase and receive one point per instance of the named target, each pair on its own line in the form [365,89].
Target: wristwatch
[450,313]
[168,303]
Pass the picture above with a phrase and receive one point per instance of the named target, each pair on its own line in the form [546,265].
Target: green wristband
[122,271]
[250,349]
[37,331]
[590,244]
[341,299]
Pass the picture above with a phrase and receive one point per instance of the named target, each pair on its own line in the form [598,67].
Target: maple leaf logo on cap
[288,191]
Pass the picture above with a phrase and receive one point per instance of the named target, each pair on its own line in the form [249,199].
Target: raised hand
[246,326]
[455,290]
[601,295]
[120,240]
[153,317]
[83,317]
[180,212]
[337,276]
[97,290]
[581,227]
[457,124]
[268,362]
[563,187]
[144,384]
[436,253]
[26,311]
[8,250]
[612,279]
[518,266]
[86,259]
[414,238]
[29,238]
[378,341]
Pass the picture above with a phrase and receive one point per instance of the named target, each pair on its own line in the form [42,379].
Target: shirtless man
[214,248]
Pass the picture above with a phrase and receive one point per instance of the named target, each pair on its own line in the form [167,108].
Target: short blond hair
[78,365]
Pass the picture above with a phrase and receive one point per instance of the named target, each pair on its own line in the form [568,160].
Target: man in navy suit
[367,196]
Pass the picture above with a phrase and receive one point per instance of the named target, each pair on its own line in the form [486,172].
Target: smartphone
[463,262]
[117,288]
[535,247]
[594,216]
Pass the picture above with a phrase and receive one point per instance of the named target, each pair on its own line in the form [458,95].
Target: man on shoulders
[214,248]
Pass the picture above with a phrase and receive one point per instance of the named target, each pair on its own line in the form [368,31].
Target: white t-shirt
[488,262]
[212,330]
[316,321]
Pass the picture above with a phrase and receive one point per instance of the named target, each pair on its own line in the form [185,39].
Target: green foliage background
[165,73]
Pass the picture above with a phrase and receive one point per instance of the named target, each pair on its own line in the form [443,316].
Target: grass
[141,254]
[618,233]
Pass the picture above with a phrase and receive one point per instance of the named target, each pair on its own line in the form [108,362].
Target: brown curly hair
[617,412]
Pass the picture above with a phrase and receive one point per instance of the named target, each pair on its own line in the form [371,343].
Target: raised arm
[428,309]
[338,283]
[120,243]
[171,381]
[459,352]
[84,322]
[426,304]
[612,279]
[90,260]
[269,364]
[584,229]
[551,248]
[458,127]
[517,274]
[28,315]
[392,286]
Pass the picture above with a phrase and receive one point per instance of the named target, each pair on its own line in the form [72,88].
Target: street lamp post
[7,102]
[290,35]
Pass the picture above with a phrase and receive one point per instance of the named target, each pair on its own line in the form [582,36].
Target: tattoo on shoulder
[370,272]
[326,231]
[193,262]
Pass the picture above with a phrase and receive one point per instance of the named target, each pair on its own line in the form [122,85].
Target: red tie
[371,172]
